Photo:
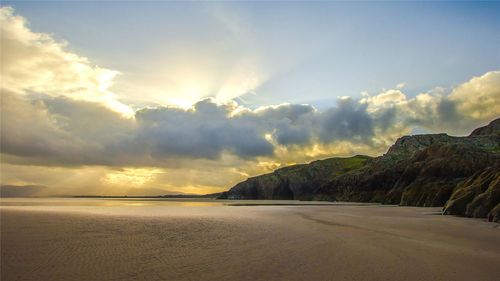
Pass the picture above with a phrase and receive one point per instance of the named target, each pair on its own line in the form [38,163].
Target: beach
[206,240]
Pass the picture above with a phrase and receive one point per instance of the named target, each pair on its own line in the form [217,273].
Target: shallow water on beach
[130,202]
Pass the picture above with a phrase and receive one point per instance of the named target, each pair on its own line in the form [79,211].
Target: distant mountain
[21,190]
[150,191]
[460,173]
[143,192]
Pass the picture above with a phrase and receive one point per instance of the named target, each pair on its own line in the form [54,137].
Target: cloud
[349,120]
[286,124]
[62,131]
[204,131]
[36,63]
[478,98]
[456,111]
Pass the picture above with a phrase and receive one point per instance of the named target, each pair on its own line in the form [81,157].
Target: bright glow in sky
[147,95]
[300,52]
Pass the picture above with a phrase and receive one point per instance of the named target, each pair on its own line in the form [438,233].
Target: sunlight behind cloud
[134,177]
[186,83]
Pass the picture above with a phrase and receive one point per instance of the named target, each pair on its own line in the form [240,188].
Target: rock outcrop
[477,196]
[460,173]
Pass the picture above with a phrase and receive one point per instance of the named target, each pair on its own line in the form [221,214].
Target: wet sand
[156,242]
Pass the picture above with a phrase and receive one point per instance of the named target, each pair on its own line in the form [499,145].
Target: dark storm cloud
[289,124]
[202,132]
[64,131]
[349,120]
[71,132]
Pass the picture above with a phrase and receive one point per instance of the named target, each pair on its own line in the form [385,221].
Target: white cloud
[479,98]
[400,85]
[457,111]
[35,63]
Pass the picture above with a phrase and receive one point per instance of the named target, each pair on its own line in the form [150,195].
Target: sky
[127,98]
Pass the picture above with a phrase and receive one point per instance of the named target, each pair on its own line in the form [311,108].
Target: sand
[213,242]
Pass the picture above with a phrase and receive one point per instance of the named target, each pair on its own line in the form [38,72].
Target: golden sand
[213,242]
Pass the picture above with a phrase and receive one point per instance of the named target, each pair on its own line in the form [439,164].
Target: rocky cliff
[298,182]
[491,129]
[460,173]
